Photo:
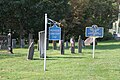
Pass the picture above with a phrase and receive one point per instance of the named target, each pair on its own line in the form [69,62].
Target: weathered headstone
[13,43]
[22,43]
[10,42]
[31,51]
[41,43]
[72,42]
[62,47]
[66,45]
[54,45]
[83,44]
[59,44]
[30,41]
[79,45]
[3,42]
[88,41]
[38,45]
[0,45]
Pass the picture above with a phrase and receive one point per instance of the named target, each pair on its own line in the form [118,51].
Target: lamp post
[10,42]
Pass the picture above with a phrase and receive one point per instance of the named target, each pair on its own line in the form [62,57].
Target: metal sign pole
[93,47]
[45,42]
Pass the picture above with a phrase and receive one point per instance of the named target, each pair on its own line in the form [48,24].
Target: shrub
[107,36]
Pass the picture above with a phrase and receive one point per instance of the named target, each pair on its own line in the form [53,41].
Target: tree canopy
[85,13]
[27,16]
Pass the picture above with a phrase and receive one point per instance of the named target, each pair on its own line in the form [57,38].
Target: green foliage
[107,36]
[85,13]
[23,16]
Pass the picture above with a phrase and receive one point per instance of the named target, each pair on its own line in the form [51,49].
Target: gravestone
[32,40]
[3,42]
[62,47]
[31,51]
[38,46]
[79,45]
[54,45]
[10,43]
[83,44]
[59,44]
[41,43]
[66,46]
[72,42]
[22,43]
[88,41]
[13,43]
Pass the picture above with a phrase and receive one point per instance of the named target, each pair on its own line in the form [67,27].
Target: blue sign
[94,31]
[54,33]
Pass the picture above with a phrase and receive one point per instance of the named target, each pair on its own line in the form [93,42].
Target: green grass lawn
[105,66]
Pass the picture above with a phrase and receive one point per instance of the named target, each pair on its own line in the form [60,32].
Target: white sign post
[45,42]
[54,30]
[94,47]
[94,32]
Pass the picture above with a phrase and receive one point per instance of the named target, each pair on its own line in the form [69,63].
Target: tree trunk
[21,34]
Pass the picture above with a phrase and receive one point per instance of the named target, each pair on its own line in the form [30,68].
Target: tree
[85,13]
[26,16]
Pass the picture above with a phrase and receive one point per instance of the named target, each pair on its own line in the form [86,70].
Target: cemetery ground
[105,66]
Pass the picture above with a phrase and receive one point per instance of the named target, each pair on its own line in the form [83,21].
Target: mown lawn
[105,66]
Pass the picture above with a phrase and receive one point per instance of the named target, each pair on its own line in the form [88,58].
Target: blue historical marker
[54,33]
[94,31]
